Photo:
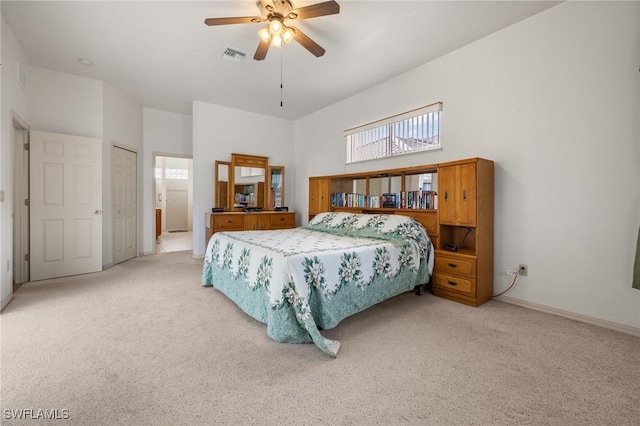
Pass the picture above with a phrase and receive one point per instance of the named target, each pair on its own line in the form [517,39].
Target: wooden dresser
[241,221]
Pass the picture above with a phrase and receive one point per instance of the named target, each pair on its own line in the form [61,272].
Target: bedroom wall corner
[122,126]
[553,100]
[166,133]
[219,131]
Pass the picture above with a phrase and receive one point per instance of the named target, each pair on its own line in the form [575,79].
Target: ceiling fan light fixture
[276,40]
[276,33]
[288,34]
[275,26]
[264,34]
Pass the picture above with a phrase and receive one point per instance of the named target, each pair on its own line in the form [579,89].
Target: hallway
[174,241]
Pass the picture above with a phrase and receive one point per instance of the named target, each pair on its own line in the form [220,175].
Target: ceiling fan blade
[261,51]
[236,20]
[315,10]
[307,43]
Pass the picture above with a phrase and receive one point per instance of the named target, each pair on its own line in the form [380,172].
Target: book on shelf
[419,199]
[244,198]
[389,200]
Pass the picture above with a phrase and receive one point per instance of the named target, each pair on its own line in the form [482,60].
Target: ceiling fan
[277,32]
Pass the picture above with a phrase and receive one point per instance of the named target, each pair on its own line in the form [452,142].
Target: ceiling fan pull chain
[281,79]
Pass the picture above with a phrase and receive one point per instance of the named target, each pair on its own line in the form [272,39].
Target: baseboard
[198,256]
[107,266]
[6,301]
[626,329]
[148,253]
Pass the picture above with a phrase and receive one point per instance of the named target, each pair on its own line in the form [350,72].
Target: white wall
[122,127]
[219,131]
[65,103]
[553,100]
[164,133]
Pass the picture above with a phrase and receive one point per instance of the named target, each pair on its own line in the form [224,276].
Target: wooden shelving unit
[460,216]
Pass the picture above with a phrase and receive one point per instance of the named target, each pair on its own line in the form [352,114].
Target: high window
[413,131]
[172,174]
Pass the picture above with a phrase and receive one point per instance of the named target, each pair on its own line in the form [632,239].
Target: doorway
[20,196]
[173,203]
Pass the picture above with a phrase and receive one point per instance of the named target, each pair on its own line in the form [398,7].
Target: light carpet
[143,343]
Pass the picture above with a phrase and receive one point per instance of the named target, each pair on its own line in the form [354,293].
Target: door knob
[97,212]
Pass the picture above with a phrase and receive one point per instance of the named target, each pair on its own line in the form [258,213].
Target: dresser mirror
[222,184]
[276,187]
[384,185]
[423,182]
[248,182]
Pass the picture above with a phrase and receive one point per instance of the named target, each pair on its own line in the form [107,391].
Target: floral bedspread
[300,280]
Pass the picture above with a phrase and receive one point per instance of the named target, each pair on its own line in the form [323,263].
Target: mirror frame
[217,183]
[271,202]
[244,160]
[252,161]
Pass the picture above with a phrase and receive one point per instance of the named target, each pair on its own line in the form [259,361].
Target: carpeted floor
[144,344]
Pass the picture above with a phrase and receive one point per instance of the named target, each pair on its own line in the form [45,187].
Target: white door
[124,198]
[177,210]
[66,205]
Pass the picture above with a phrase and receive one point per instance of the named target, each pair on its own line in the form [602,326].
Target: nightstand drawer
[451,282]
[456,265]
[282,220]
[226,222]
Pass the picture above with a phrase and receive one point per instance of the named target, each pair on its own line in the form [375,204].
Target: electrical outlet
[523,270]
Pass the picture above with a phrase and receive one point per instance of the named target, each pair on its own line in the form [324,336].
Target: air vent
[233,55]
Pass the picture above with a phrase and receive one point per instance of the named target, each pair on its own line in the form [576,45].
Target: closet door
[66,205]
[124,177]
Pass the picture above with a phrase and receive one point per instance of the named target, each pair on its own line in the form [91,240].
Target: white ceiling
[162,53]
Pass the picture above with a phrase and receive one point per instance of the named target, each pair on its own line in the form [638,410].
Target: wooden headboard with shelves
[428,218]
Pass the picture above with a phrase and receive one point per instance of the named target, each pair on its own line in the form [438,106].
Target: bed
[302,280]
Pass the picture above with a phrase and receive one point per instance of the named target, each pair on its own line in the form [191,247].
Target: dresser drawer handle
[452,282]
[282,218]
[229,221]
[452,265]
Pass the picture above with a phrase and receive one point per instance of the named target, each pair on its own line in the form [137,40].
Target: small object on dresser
[281,209]
[450,247]
[217,210]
